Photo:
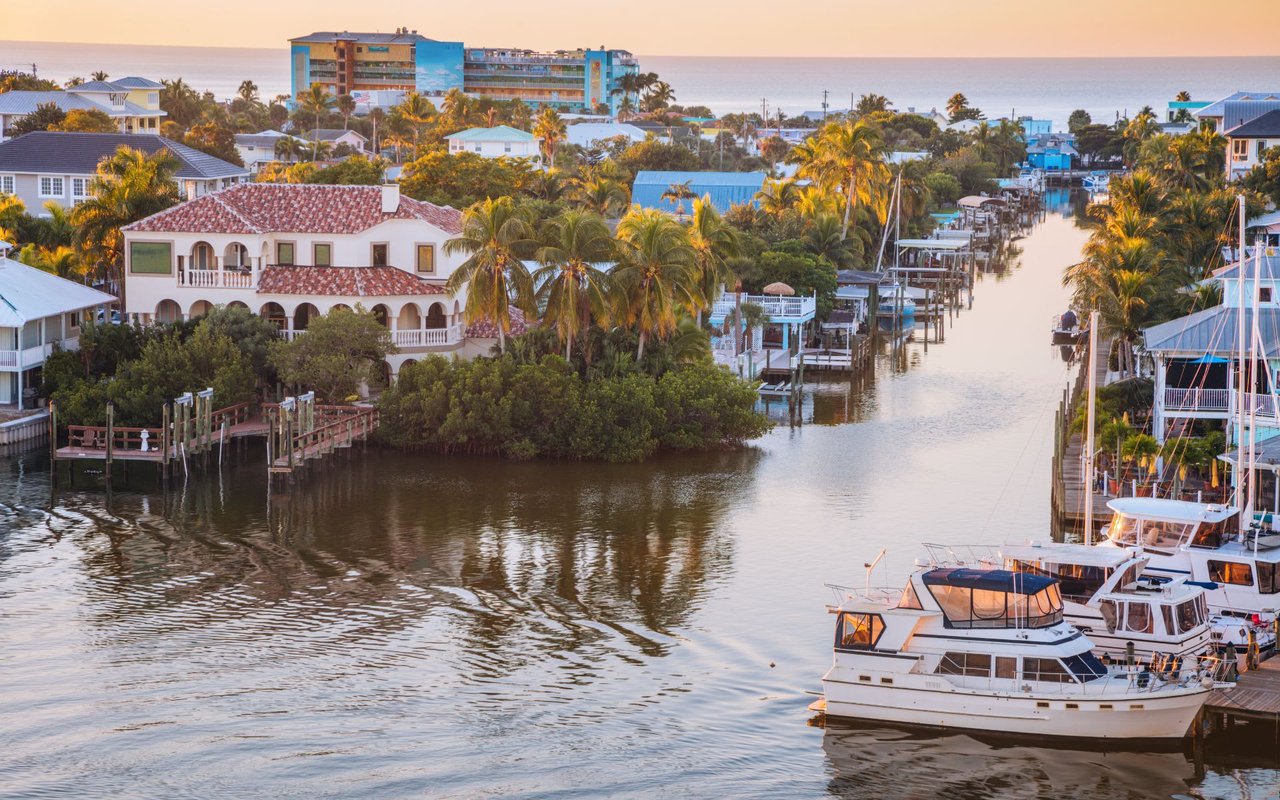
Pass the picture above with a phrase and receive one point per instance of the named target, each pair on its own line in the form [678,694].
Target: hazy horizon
[746,28]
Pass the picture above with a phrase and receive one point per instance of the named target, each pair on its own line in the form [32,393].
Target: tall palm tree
[98,75]
[456,107]
[550,131]
[316,101]
[715,245]
[496,235]
[129,186]
[62,261]
[777,196]
[822,237]
[572,289]
[376,115]
[656,274]
[248,91]
[677,193]
[601,195]
[848,155]
[418,113]
[346,106]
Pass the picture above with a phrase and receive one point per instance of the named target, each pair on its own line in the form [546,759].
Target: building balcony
[217,279]
[785,310]
[430,337]
[1218,404]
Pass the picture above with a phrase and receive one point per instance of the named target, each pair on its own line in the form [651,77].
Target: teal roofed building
[724,188]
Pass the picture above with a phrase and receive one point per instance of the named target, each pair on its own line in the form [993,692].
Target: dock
[1069,485]
[1255,697]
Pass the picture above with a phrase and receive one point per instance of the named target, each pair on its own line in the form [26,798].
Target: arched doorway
[199,309]
[237,304]
[436,316]
[274,313]
[236,257]
[168,311]
[202,256]
[381,314]
[304,316]
[410,318]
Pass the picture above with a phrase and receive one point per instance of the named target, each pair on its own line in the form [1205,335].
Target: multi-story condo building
[354,63]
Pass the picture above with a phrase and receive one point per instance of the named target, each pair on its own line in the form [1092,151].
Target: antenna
[824,105]
[872,566]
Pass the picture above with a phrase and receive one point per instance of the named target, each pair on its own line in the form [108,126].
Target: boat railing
[964,555]
[1161,673]
[874,594]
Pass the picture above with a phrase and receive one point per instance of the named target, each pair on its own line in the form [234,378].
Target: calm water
[1046,88]
[408,626]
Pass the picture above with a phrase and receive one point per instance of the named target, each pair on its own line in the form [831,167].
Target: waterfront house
[1236,109]
[1196,358]
[1051,152]
[1247,142]
[500,141]
[132,103]
[39,312]
[293,252]
[336,137]
[1264,230]
[724,188]
[48,165]
[256,149]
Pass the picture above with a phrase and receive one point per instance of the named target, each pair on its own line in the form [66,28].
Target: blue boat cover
[992,580]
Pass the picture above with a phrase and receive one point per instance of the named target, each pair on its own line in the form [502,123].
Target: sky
[828,28]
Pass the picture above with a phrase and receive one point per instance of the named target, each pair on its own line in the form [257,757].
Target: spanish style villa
[500,141]
[38,312]
[293,252]
[133,103]
[47,165]
[1196,357]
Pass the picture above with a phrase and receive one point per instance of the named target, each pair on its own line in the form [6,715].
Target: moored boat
[991,650]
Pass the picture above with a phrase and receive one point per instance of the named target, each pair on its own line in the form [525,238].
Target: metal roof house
[1248,141]
[48,165]
[1236,109]
[500,141]
[724,188]
[133,103]
[38,312]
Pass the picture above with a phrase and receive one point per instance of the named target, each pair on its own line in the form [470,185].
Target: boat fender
[1207,682]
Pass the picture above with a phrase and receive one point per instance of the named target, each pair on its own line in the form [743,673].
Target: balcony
[217,279]
[8,358]
[786,310]
[431,337]
[1198,400]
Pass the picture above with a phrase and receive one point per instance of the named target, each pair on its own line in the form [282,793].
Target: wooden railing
[127,440]
[232,415]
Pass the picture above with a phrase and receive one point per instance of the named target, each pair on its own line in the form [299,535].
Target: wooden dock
[298,435]
[1069,485]
[1255,697]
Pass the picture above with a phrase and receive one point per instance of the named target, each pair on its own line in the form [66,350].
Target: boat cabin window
[1085,666]
[1045,669]
[1110,614]
[1075,581]
[1191,614]
[974,665]
[1152,534]
[966,601]
[1167,613]
[859,631]
[1232,572]
[1268,577]
[1213,535]
[1138,618]
[909,598]
[1007,667]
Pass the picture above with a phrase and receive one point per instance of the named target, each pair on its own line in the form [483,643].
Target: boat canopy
[991,580]
[977,201]
[1171,510]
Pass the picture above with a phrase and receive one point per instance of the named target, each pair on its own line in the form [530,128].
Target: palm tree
[346,106]
[776,197]
[625,109]
[456,107]
[753,316]
[315,101]
[655,273]
[61,261]
[850,155]
[677,193]
[603,196]
[98,75]
[248,91]
[418,113]
[658,96]
[496,235]
[130,185]
[715,245]
[572,290]
[822,237]
[550,131]
[376,115]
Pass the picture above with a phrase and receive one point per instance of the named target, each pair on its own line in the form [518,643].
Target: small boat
[990,650]
[890,306]
[1066,328]
[1097,181]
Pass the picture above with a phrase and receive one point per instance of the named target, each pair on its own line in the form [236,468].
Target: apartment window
[427,258]
[380,254]
[6,184]
[150,258]
[1240,149]
[1232,572]
[506,147]
[322,255]
[51,187]
[284,253]
[1262,146]
[79,189]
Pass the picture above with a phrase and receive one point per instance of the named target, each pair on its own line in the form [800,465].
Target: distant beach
[1048,88]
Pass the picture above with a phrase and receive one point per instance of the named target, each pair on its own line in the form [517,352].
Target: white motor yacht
[1106,595]
[1202,542]
[990,650]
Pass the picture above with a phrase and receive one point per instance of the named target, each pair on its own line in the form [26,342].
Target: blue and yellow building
[577,81]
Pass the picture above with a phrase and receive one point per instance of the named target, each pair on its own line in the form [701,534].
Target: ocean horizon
[1044,88]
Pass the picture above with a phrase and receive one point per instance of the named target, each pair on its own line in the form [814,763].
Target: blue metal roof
[724,188]
[993,580]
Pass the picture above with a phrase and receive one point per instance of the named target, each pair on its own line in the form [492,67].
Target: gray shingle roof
[1212,331]
[1259,127]
[79,154]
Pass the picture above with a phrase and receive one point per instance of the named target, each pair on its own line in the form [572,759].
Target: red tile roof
[485,329]
[344,282]
[256,208]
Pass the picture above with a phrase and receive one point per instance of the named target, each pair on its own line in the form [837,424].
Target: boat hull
[1135,715]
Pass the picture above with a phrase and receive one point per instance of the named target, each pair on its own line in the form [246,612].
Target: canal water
[410,626]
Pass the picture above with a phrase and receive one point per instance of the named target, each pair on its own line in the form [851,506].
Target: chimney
[390,198]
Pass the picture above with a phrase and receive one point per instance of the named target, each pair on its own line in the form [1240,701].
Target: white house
[1246,143]
[256,149]
[584,134]
[292,252]
[496,142]
[132,103]
[38,312]
[338,136]
[1236,109]
[48,165]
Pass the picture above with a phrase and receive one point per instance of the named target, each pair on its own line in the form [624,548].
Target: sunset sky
[680,27]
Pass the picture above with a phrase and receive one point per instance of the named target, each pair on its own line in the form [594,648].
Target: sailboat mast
[1240,475]
[1089,425]
[1255,347]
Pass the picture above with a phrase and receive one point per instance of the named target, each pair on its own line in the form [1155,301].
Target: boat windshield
[1077,581]
[1151,534]
[1214,535]
[995,598]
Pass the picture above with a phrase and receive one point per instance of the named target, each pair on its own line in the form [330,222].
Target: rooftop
[320,37]
[1170,510]
[498,133]
[330,134]
[724,188]
[344,282]
[1212,331]
[80,154]
[485,329]
[257,208]
[27,293]
[1264,126]
[1218,107]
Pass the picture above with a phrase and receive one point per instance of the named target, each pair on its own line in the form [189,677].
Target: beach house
[39,313]
[293,252]
[46,165]
[1248,142]
[500,141]
[132,103]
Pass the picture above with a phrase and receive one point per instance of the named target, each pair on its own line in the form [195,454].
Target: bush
[544,408]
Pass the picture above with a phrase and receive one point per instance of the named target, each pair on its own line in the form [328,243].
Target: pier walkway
[1069,483]
[1255,697]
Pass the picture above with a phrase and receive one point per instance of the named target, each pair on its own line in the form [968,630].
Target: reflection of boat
[1202,542]
[1106,595]
[889,307]
[989,649]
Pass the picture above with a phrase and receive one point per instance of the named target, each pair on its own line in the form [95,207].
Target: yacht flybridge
[990,650]
[1106,595]
[1203,542]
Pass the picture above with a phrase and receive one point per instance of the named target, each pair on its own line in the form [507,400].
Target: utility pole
[824,105]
